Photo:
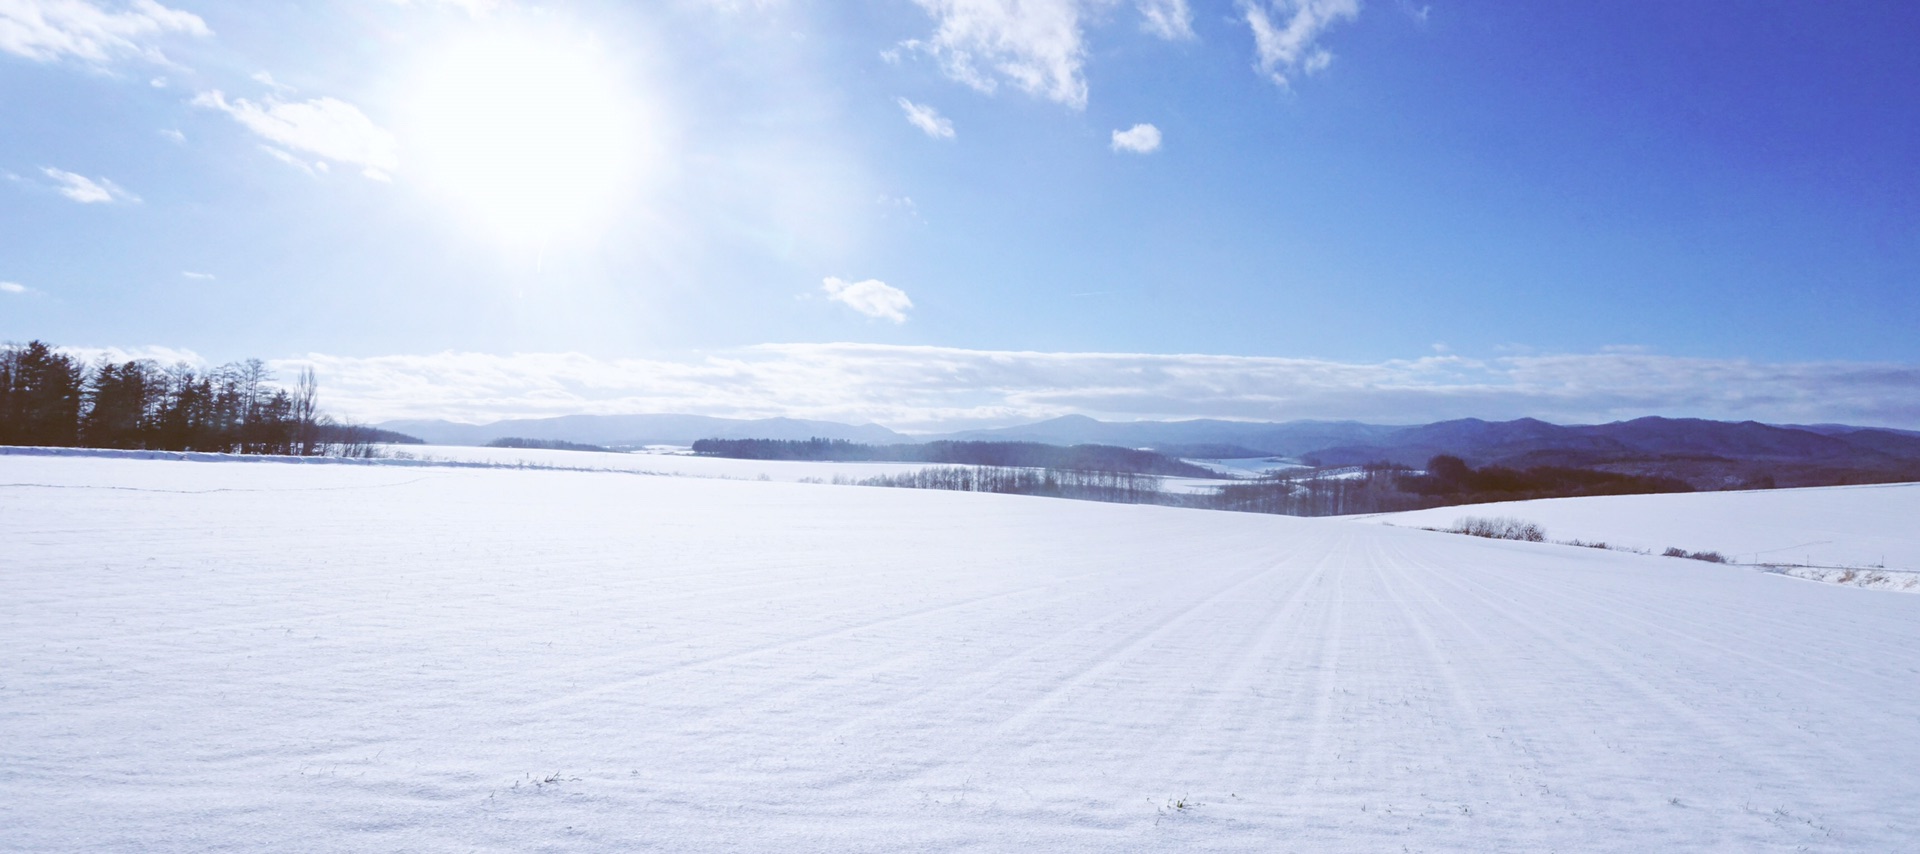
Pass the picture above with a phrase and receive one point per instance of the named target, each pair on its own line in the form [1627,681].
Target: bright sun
[535,135]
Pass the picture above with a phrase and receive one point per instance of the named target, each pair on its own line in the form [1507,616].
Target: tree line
[1451,477]
[1384,487]
[1380,487]
[51,398]
[542,444]
[1096,458]
[1121,487]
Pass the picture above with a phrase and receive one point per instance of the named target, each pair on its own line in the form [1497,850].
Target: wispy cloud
[288,158]
[152,353]
[1292,45]
[1168,19]
[927,119]
[49,30]
[189,274]
[326,127]
[88,191]
[901,207]
[1139,139]
[265,78]
[14,288]
[1036,44]
[870,297]
[475,8]
[940,387]
[733,7]
[1041,45]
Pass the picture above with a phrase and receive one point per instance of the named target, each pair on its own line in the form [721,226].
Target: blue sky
[951,212]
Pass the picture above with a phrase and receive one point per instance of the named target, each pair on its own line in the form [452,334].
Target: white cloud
[945,388]
[927,119]
[266,79]
[1293,45]
[88,191]
[734,7]
[329,128]
[48,30]
[1168,19]
[1037,44]
[151,353]
[476,8]
[870,297]
[14,288]
[901,207]
[189,274]
[1139,139]
[288,158]
[173,134]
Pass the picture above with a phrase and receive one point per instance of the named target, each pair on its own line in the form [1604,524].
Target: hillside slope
[1836,526]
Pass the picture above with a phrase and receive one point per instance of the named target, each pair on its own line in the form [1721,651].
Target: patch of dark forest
[52,399]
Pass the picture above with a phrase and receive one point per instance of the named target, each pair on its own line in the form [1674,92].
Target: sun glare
[538,136]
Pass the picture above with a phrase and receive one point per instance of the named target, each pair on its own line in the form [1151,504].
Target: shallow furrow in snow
[1638,708]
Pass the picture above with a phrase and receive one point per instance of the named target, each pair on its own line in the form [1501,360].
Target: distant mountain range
[1708,453]
[1206,438]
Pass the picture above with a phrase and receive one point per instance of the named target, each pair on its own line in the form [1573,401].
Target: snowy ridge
[1863,536]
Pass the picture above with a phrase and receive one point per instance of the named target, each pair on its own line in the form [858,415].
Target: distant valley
[1707,454]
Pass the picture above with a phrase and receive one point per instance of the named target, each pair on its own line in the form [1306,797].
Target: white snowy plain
[1861,535]
[659,462]
[202,656]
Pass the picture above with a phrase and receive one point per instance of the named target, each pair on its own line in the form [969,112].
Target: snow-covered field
[680,464]
[1861,535]
[207,656]
[1247,467]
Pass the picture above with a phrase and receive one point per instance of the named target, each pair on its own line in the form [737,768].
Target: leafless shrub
[1709,557]
[1499,528]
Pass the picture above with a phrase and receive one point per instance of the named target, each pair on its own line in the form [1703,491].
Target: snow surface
[1820,533]
[659,461]
[1247,467]
[666,459]
[203,656]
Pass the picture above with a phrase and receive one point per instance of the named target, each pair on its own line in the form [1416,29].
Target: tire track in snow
[1460,664]
[1128,647]
[1071,639]
[840,631]
[1563,630]
[1237,703]
[1693,647]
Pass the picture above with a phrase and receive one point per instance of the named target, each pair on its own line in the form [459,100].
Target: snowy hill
[208,656]
[1807,531]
